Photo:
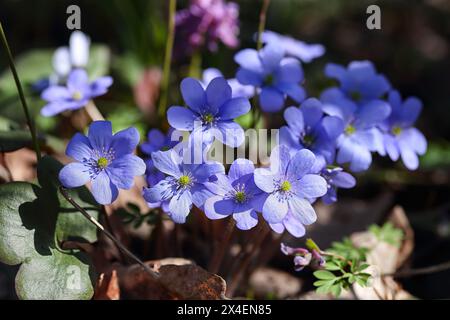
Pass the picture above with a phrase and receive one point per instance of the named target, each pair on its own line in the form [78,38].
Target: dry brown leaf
[180,279]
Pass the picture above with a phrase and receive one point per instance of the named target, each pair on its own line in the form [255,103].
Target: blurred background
[412,49]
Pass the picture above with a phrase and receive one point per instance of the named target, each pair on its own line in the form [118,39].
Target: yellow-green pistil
[184,180]
[285,186]
[269,80]
[102,162]
[240,197]
[308,140]
[396,130]
[208,118]
[356,96]
[350,130]
[77,95]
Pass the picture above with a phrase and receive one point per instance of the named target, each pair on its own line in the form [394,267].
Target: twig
[223,246]
[167,59]
[31,126]
[152,273]
[420,271]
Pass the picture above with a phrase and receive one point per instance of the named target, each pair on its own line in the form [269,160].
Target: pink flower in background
[206,22]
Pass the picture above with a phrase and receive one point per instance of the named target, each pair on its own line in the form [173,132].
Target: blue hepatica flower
[360,135]
[289,186]
[77,94]
[235,194]
[105,159]
[157,141]
[184,184]
[275,75]
[308,129]
[400,138]
[336,178]
[293,47]
[237,89]
[210,112]
[359,81]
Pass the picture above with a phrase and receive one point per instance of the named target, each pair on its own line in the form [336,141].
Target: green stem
[21,94]
[262,23]
[167,59]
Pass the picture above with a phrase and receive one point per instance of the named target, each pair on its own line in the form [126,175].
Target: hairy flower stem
[12,66]
[251,250]
[93,112]
[167,59]
[127,252]
[219,254]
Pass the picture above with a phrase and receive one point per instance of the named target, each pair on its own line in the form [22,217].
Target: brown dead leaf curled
[179,279]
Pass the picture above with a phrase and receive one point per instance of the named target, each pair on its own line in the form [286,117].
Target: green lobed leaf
[324,275]
[33,220]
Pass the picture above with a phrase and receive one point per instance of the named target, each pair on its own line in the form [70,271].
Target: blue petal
[246,220]
[249,59]
[279,160]
[333,126]
[344,180]
[167,162]
[217,208]
[103,190]
[100,86]
[346,150]
[290,71]
[123,170]
[293,225]
[181,118]
[301,164]
[271,56]
[335,71]
[274,208]
[277,227]
[372,113]
[264,180]
[248,77]
[230,133]
[240,168]
[293,90]
[56,93]
[390,144]
[124,142]
[234,108]
[200,194]
[179,206]
[217,93]
[294,119]
[78,80]
[193,94]
[410,111]
[361,158]
[100,135]
[310,186]
[271,99]
[409,157]
[74,175]
[302,210]
[79,148]
[162,191]
[312,111]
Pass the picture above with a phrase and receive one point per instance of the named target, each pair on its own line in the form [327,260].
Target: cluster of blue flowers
[342,127]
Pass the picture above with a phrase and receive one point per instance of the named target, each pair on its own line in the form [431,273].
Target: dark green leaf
[14,140]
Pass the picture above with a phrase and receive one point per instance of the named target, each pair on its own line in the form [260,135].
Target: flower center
[269,80]
[102,162]
[349,130]
[208,118]
[396,130]
[184,181]
[240,197]
[356,96]
[77,95]
[308,140]
[285,186]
